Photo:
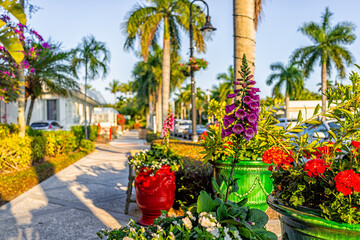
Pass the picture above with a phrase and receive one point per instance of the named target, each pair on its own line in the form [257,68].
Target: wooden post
[99,129]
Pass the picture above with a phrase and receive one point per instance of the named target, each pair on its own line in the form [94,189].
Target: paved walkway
[78,201]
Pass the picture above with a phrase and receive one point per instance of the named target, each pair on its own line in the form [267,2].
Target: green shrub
[38,146]
[79,132]
[33,133]
[8,128]
[151,137]
[87,146]
[15,152]
[60,142]
[191,180]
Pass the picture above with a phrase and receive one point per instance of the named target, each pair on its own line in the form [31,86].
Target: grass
[15,183]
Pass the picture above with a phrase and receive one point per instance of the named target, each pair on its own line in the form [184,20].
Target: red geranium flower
[203,135]
[347,181]
[315,167]
[356,144]
[277,156]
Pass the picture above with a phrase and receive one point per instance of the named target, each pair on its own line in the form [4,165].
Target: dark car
[200,129]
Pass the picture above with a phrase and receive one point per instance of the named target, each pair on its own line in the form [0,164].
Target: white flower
[176,223]
[187,222]
[202,214]
[218,225]
[206,222]
[191,216]
[215,232]
[156,236]
[236,235]
[142,229]
[132,230]
[172,236]
[127,238]
[227,237]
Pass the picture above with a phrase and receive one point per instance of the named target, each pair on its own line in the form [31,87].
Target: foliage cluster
[79,132]
[322,174]
[151,137]
[195,63]
[207,219]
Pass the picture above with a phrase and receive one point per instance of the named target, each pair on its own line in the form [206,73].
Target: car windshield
[39,125]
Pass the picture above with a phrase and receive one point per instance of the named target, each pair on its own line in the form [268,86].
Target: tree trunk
[181,111]
[166,72]
[323,86]
[21,102]
[287,99]
[244,35]
[31,107]
[85,103]
[151,111]
[200,118]
[158,108]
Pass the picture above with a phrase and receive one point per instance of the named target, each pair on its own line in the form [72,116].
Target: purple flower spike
[255,97]
[230,108]
[238,128]
[254,105]
[251,82]
[237,90]
[228,119]
[240,113]
[244,85]
[236,83]
[226,132]
[252,118]
[231,95]
[247,99]
[249,133]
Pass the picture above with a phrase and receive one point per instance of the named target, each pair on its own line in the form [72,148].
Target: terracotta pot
[299,223]
[154,193]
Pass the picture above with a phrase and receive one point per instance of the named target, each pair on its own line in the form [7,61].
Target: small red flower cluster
[315,167]
[322,151]
[147,177]
[277,156]
[203,135]
[347,181]
[356,144]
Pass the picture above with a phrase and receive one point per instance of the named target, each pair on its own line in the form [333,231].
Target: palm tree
[227,85]
[329,84]
[328,48]
[51,73]
[246,17]
[290,76]
[114,87]
[144,23]
[94,57]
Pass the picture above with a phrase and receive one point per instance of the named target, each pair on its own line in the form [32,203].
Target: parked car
[200,129]
[284,122]
[180,126]
[50,125]
[320,131]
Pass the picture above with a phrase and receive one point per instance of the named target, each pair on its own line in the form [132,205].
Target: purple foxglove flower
[237,90]
[249,77]
[255,97]
[226,132]
[238,128]
[247,99]
[251,82]
[254,105]
[252,118]
[249,133]
[240,113]
[236,83]
[244,85]
[231,95]
[228,119]
[230,108]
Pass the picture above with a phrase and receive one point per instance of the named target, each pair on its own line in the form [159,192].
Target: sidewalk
[78,201]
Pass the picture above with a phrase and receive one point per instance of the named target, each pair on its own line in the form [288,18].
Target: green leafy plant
[195,63]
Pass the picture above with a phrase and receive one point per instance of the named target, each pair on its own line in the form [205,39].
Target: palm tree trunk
[323,86]
[21,104]
[244,35]
[200,116]
[181,111]
[31,107]
[86,75]
[158,108]
[287,100]
[166,72]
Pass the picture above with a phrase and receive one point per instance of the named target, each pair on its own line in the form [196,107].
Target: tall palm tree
[114,87]
[51,74]
[290,76]
[246,15]
[227,85]
[144,23]
[94,57]
[328,48]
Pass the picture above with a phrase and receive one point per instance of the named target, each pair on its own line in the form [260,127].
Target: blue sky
[277,37]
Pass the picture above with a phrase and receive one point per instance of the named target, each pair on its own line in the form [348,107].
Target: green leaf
[265,235]
[14,9]
[205,203]
[222,212]
[217,187]
[257,217]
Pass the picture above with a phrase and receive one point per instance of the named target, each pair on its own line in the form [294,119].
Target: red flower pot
[154,193]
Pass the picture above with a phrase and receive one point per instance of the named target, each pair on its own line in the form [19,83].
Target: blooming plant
[168,127]
[207,219]
[322,175]
[195,63]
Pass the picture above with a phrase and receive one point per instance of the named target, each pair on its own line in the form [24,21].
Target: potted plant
[155,179]
[194,64]
[235,145]
[317,182]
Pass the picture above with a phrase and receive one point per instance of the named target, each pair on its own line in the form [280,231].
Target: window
[51,110]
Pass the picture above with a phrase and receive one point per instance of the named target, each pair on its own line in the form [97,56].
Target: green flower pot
[254,181]
[305,224]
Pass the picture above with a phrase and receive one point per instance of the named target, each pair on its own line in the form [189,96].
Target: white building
[307,108]
[107,116]
[68,111]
